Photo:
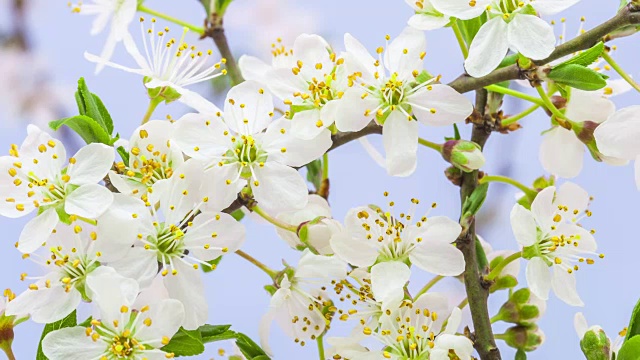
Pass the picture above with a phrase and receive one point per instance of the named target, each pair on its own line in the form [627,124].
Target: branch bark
[214,29]
[476,287]
[342,138]
[629,15]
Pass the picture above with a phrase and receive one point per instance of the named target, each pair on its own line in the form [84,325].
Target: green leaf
[630,350]
[221,6]
[588,56]
[423,77]
[473,203]
[90,105]
[314,173]
[213,264]
[520,355]
[578,76]
[124,154]
[87,322]
[211,333]
[68,321]
[634,323]
[238,214]
[185,343]
[249,348]
[469,28]
[456,132]
[480,255]
[88,129]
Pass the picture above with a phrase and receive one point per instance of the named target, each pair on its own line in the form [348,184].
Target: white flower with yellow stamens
[74,254]
[120,13]
[309,80]
[34,176]
[248,147]
[513,24]
[152,161]
[376,238]
[297,304]
[121,331]
[413,331]
[553,242]
[169,66]
[426,16]
[385,89]
[179,237]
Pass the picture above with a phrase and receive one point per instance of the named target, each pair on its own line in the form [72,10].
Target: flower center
[168,243]
[122,347]
[147,169]
[246,153]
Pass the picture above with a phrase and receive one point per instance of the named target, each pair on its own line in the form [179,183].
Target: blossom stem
[273,220]
[461,43]
[513,119]
[559,116]
[319,341]
[153,104]
[9,352]
[428,286]
[431,145]
[506,91]
[88,221]
[619,70]
[498,269]
[189,26]
[463,303]
[507,180]
[272,273]
[220,39]
[325,166]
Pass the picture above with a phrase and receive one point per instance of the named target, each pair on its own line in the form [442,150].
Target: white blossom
[426,16]
[34,176]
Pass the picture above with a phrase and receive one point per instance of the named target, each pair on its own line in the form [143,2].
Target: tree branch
[476,287]
[215,30]
[342,138]
[629,15]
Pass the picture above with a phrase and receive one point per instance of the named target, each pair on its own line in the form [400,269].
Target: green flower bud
[465,155]
[523,337]
[522,308]
[595,344]
[165,93]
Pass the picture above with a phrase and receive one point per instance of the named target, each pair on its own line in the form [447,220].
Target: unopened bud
[465,155]
[522,308]
[166,93]
[524,337]
[454,175]
[595,344]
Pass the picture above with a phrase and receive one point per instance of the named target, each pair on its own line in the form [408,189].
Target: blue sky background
[235,289]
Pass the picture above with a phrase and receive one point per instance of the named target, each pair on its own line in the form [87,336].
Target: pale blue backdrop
[235,289]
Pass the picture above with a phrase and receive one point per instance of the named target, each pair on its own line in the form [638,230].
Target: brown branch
[215,30]
[629,15]
[342,138]
[476,287]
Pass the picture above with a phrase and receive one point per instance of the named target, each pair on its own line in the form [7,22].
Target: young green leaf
[249,348]
[90,105]
[89,129]
[578,76]
[213,264]
[588,56]
[185,343]
[469,28]
[634,323]
[473,203]
[68,321]
[630,349]
[212,333]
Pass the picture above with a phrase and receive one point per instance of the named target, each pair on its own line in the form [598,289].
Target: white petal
[71,344]
[440,304]
[251,104]
[531,36]
[195,101]
[404,54]
[187,287]
[110,291]
[138,264]
[229,234]
[461,345]
[89,201]
[523,225]
[388,279]
[618,135]
[437,228]
[438,258]
[539,277]
[313,266]
[37,231]
[312,50]
[564,285]
[589,105]
[580,324]
[361,59]
[572,196]
[118,228]
[304,124]
[488,48]
[352,110]
[253,68]
[280,187]
[400,139]
[454,321]
[298,151]
[428,22]
[460,9]
[283,84]
[92,164]
[356,251]
[552,7]
[45,305]
[204,133]
[216,179]
[103,62]
[561,153]
[450,106]
[167,316]
[264,330]
[543,209]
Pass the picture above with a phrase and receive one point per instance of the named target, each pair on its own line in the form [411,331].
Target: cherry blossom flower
[180,237]
[238,152]
[553,241]
[426,16]
[297,304]
[122,331]
[608,347]
[385,89]
[170,65]
[617,136]
[512,25]
[74,254]
[34,176]
[375,238]
[152,161]
[119,13]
